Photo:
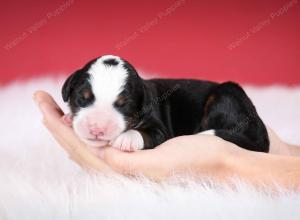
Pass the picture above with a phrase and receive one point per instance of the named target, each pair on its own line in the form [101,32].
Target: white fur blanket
[38,181]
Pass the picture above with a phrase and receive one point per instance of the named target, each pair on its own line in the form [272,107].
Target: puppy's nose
[97,131]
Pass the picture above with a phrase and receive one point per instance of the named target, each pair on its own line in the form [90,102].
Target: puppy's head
[104,97]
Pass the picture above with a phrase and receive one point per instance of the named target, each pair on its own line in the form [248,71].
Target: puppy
[112,105]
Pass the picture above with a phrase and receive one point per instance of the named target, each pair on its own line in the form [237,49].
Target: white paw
[129,141]
[210,132]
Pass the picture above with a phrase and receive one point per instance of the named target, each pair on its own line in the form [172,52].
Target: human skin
[196,155]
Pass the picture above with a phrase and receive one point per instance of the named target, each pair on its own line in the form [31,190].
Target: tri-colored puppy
[112,105]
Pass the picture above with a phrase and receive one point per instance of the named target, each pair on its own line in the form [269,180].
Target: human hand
[197,155]
[59,126]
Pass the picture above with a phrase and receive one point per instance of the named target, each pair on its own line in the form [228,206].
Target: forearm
[294,150]
[266,169]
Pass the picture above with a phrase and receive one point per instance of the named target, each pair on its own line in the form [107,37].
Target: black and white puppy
[112,105]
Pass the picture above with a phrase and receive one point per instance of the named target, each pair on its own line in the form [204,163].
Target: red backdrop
[255,41]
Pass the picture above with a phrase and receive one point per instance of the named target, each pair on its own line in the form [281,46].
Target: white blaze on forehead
[107,80]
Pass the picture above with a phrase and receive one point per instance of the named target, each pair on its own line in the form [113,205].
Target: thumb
[145,162]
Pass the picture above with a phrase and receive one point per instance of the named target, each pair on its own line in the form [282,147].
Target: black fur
[74,86]
[164,108]
[111,62]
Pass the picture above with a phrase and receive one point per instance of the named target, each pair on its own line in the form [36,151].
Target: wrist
[226,164]
[259,168]
[236,162]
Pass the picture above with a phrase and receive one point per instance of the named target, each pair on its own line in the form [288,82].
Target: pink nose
[97,131]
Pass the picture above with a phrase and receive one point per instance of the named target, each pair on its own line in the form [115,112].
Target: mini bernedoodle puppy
[112,105]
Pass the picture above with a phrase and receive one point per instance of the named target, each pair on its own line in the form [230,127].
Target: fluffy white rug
[38,181]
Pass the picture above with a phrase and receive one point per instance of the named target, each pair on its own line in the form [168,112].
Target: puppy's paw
[129,141]
[209,132]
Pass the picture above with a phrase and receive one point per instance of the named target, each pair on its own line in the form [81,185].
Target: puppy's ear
[69,85]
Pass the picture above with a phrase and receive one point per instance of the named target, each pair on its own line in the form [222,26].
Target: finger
[65,135]
[145,162]
[42,96]
[277,146]
[65,145]
[50,112]
[53,120]
[272,135]
[82,156]
[48,106]
[91,161]
[61,140]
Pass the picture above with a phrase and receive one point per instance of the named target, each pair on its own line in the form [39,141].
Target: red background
[191,41]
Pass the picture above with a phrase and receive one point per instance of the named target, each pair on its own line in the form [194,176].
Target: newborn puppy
[112,105]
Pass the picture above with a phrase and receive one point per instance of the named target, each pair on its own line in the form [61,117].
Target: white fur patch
[107,81]
[209,132]
[130,140]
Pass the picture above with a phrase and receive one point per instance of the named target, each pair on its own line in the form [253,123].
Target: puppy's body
[187,107]
[111,104]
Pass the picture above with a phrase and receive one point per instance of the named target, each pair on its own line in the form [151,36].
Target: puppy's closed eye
[85,97]
[121,101]
[86,94]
